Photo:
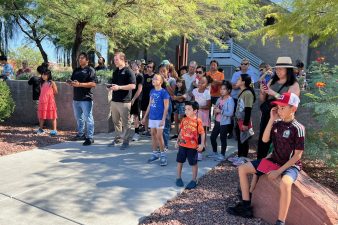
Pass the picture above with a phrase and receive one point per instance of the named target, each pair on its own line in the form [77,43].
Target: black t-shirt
[35,81]
[123,77]
[100,68]
[147,86]
[83,75]
[139,80]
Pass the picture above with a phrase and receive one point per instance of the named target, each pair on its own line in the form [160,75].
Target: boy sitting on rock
[287,136]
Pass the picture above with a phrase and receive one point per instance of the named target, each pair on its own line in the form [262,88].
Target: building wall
[25,112]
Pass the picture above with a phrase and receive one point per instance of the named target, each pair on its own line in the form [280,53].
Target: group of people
[194,99]
[7,72]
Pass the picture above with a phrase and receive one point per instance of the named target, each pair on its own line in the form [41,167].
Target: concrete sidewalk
[72,184]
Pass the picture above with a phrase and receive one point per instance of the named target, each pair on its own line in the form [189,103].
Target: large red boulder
[311,203]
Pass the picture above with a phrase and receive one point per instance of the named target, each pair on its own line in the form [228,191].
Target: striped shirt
[286,138]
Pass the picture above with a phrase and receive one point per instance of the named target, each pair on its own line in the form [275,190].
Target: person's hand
[162,123]
[176,144]
[115,87]
[75,83]
[274,114]
[132,101]
[245,128]
[216,109]
[270,92]
[272,175]
[200,148]
[143,121]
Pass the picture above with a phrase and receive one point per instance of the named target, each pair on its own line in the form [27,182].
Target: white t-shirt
[201,98]
[188,82]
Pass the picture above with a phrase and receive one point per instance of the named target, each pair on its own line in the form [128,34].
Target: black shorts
[184,153]
[144,103]
[135,108]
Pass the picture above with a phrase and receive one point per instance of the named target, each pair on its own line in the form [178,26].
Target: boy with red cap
[287,136]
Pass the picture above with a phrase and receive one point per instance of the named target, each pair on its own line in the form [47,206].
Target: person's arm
[295,89]
[267,132]
[147,111]
[165,112]
[137,94]
[276,173]
[83,85]
[55,88]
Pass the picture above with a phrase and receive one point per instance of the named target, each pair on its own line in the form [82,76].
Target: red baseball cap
[287,99]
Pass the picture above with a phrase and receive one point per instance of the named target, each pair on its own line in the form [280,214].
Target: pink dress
[47,105]
[201,99]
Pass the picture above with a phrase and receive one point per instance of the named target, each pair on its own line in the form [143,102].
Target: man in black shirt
[147,86]
[123,83]
[101,65]
[83,80]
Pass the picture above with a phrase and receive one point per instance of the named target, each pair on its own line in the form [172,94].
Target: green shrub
[104,76]
[6,101]
[322,98]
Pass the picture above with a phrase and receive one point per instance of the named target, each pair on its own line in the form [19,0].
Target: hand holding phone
[265,86]
[69,81]
[109,85]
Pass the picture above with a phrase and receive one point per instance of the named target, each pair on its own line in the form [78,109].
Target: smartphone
[265,86]
[69,81]
[109,85]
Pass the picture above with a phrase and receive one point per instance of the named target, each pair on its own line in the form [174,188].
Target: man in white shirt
[189,78]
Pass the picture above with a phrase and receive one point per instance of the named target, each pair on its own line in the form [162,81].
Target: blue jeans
[83,112]
[166,130]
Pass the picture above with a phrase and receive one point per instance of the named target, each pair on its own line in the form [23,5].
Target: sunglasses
[245,64]
[199,72]
[261,70]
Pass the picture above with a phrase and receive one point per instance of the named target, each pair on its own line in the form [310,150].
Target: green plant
[322,98]
[61,76]
[104,76]
[6,101]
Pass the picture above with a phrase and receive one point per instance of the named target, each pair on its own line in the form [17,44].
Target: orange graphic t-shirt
[215,88]
[190,130]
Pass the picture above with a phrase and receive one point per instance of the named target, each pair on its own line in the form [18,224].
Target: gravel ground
[206,205]
[19,138]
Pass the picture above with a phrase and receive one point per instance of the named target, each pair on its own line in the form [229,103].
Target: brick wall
[25,112]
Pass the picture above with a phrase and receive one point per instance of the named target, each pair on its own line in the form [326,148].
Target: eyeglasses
[199,72]
[244,64]
[261,69]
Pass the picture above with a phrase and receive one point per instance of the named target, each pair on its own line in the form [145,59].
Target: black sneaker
[88,141]
[241,210]
[278,222]
[79,138]
[174,137]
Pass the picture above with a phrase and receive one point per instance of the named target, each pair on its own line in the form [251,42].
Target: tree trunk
[80,25]
[42,51]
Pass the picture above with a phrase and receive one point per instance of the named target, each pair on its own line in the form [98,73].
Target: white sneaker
[239,161]
[212,155]
[199,156]
[219,158]
[233,159]
[136,137]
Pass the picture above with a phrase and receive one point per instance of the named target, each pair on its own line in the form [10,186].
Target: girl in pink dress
[47,105]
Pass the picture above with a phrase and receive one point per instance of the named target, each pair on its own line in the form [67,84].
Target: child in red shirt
[190,129]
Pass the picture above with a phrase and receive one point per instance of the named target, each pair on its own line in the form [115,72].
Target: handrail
[239,51]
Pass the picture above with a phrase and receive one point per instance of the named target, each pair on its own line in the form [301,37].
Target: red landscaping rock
[311,203]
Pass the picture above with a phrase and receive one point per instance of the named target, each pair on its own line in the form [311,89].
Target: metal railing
[234,49]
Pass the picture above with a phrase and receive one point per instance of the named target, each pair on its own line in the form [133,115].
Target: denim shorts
[291,171]
[187,153]
[179,108]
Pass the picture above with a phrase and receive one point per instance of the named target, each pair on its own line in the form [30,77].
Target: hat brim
[279,103]
[293,67]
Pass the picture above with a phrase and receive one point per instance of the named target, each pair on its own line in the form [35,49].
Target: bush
[322,98]
[6,101]
[104,76]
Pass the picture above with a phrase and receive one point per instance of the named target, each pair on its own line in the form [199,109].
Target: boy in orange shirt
[190,129]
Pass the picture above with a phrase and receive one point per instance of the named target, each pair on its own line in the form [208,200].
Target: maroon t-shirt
[286,138]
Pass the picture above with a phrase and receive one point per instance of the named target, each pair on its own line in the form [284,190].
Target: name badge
[286,134]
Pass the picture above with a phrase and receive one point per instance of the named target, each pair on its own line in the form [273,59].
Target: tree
[20,54]
[317,19]
[29,20]
[145,22]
